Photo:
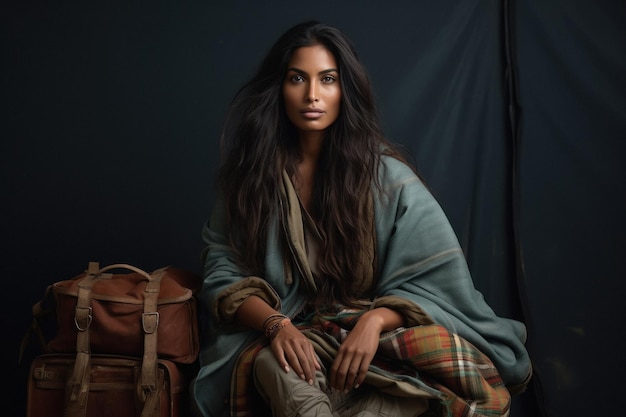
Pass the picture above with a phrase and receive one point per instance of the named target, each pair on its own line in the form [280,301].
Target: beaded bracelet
[275,326]
[272,317]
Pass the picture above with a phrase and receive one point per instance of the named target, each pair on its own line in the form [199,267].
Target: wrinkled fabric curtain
[514,111]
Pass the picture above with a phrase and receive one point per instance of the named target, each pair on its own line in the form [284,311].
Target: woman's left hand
[358,349]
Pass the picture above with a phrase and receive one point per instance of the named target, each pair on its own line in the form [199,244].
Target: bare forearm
[253,312]
[385,319]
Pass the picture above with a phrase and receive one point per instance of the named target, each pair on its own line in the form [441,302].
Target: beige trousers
[289,396]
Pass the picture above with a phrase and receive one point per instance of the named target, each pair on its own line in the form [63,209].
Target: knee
[265,362]
[266,371]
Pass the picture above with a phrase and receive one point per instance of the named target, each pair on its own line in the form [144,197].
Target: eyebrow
[299,71]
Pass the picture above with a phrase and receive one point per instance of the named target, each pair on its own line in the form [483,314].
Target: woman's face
[311,90]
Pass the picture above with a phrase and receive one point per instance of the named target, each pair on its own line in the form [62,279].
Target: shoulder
[394,173]
[402,188]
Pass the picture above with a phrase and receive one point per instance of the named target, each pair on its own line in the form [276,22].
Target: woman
[325,252]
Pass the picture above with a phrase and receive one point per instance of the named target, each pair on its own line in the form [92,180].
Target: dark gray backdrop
[515,112]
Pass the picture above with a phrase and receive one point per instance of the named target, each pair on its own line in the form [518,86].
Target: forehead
[314,58]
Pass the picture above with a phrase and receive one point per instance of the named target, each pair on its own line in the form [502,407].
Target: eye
[328,79]
[296,78]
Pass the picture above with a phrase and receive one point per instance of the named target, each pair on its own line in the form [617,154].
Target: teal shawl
[418,259]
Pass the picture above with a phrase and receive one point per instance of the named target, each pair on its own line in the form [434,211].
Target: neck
[310,148]
[311,145]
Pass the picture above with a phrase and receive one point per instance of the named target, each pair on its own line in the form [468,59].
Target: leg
[286,393]
[367,401]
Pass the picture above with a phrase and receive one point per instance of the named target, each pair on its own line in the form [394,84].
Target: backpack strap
[77,388]
[149,383]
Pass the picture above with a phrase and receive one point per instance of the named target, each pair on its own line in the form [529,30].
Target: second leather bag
[119,309]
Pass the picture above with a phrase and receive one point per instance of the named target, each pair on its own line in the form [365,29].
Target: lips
[310,113]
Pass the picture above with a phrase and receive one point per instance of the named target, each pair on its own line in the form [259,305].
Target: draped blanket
[435,360]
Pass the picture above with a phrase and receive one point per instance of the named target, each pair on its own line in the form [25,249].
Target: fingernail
[286,368]
[310,382]
[302,377]
[345,391]
[356,386]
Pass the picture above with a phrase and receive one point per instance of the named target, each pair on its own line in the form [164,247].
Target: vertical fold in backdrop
[450,96]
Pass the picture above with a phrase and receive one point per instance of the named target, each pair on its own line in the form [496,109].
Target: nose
[312,93]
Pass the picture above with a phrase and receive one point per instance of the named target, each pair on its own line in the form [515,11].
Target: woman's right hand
[294,350]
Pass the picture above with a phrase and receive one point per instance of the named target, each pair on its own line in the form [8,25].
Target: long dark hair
[259,143]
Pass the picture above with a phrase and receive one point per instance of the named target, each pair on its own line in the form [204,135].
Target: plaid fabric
[467,382]
[244,398]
